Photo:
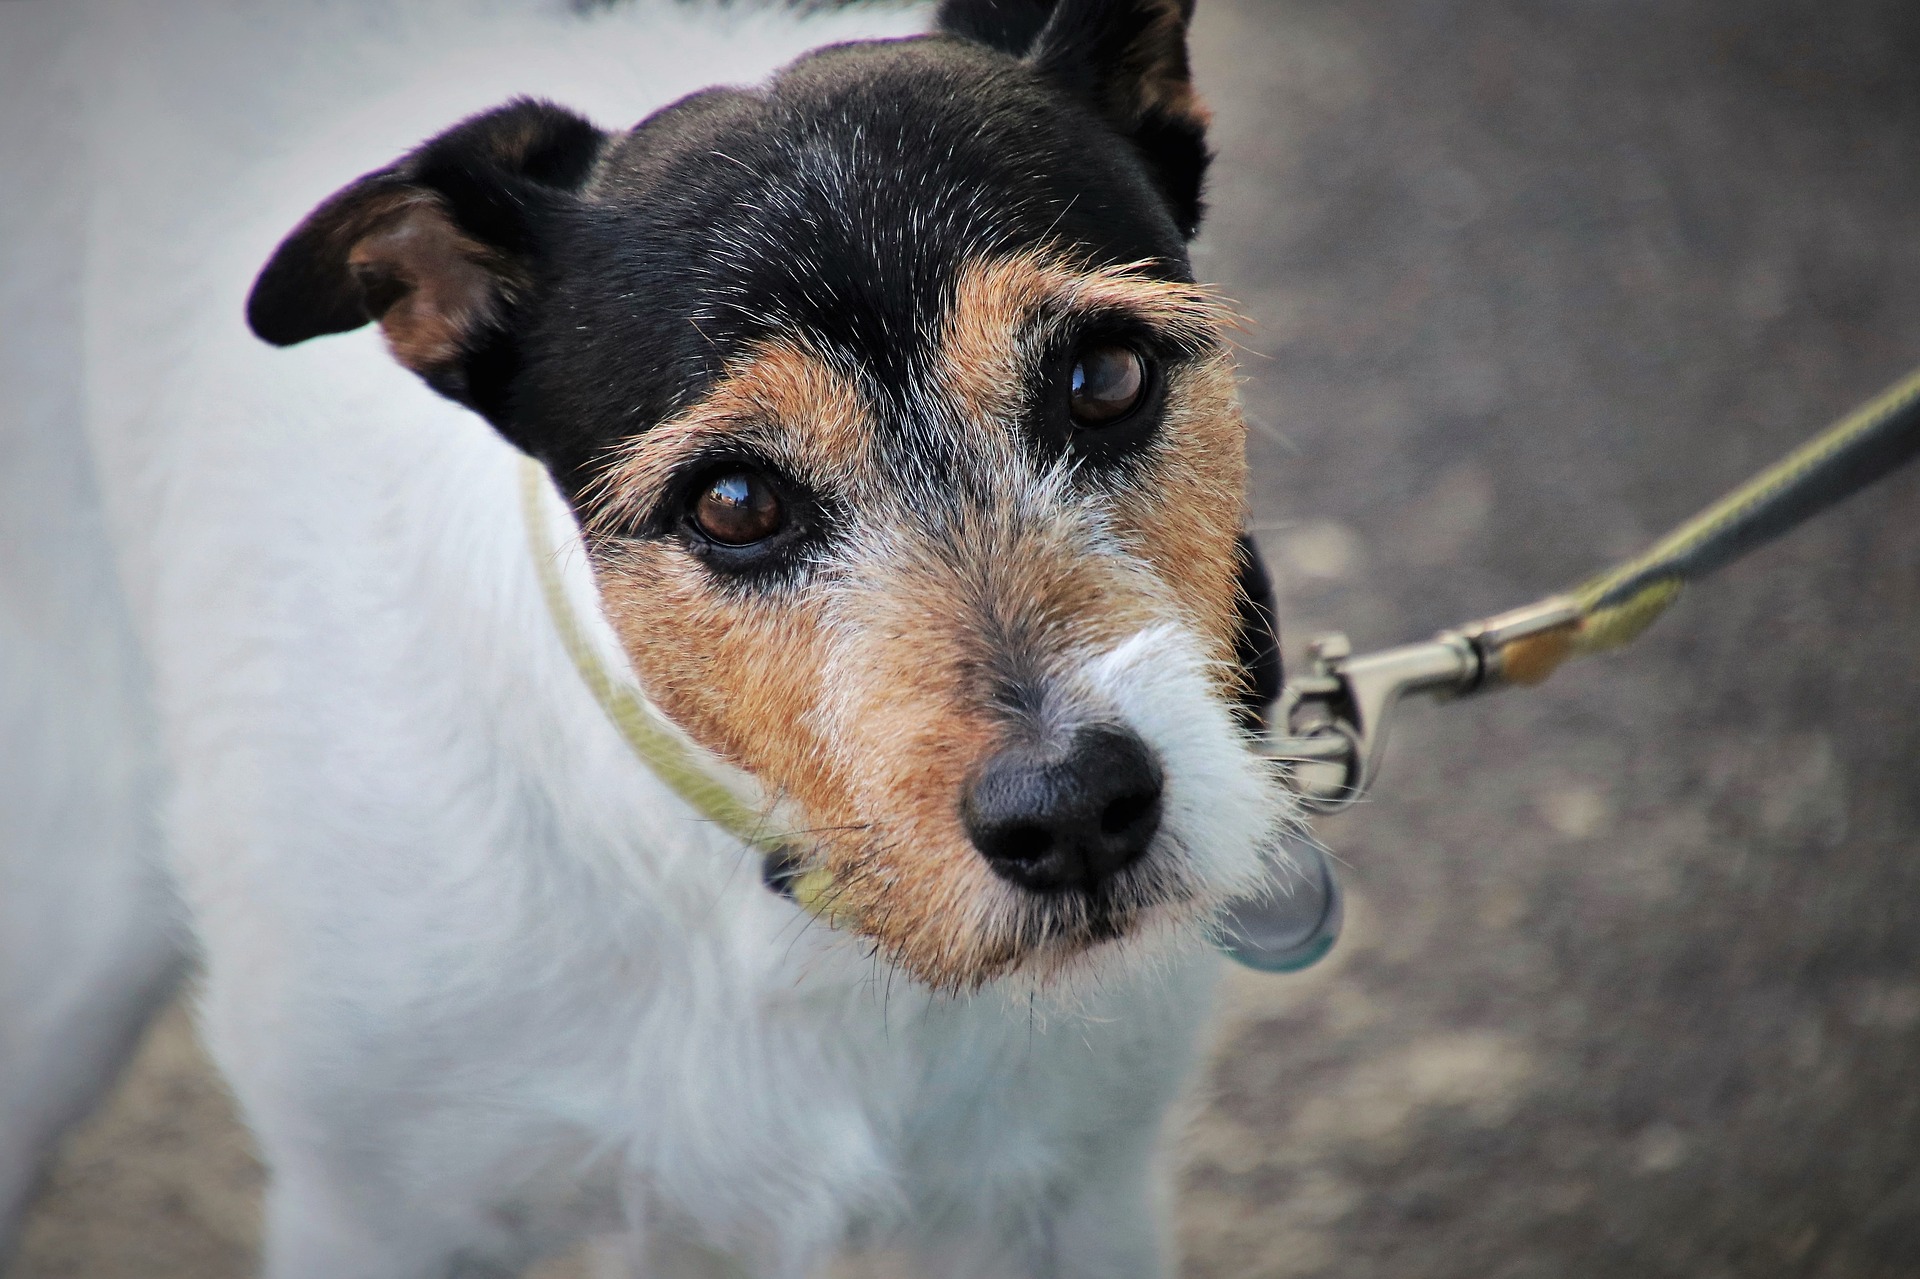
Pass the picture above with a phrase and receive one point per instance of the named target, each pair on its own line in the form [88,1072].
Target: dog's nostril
[1022,844]
[1056,816]
[1123,812]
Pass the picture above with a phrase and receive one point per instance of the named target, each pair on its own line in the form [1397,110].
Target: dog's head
[908,450]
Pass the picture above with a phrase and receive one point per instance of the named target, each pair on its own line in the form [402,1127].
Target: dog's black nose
[1051,817]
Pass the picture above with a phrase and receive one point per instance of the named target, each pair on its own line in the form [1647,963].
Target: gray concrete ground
[1634,981]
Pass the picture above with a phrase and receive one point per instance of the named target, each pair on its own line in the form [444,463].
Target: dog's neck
[704,783]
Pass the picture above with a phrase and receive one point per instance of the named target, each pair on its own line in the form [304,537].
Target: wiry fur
[870,691]
[480,983]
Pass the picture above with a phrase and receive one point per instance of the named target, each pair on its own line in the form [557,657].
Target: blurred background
[1632,978]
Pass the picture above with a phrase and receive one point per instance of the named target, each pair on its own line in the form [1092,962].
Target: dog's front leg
[354,1201]
[314,1230]
[1116,1225]
[1109,1224]
[317,1228]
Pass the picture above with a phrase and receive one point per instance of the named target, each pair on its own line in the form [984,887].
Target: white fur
[1218,798]
[479,983]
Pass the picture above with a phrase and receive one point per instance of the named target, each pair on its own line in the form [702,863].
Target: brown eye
[738,508]
[1108,383]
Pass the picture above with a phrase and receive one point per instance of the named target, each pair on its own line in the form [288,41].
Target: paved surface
[1633,986]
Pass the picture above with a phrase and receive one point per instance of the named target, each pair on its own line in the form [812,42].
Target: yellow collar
[654,741]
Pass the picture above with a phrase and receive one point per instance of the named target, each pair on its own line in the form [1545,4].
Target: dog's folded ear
[1008,25]
[438,247]
[1126,58]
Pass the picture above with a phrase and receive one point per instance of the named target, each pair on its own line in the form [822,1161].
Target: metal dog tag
[1294,923]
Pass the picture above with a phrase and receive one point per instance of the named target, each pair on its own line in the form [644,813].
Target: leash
[1335,717]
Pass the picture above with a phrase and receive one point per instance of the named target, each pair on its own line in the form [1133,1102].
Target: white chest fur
[461,948]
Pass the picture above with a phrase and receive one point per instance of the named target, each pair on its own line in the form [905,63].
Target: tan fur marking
[868,693]
[1186,520]
[991,335]
[1165,80]
[783,399]
[1155,73]
[738,671]
[1190,529]
[912,720]
[449,284]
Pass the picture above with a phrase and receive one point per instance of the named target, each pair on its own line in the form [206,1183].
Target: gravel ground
[1633,981]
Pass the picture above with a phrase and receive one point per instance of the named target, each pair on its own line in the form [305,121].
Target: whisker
[797,831]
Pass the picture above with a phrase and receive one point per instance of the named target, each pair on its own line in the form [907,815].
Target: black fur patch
[1010,26]
[1119,55]
[501,177]
[842,203]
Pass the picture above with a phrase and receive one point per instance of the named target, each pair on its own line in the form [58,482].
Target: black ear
[439,247]
[1008,25]
[1128,58]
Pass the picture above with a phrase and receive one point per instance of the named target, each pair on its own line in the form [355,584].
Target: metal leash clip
[1334,718]
[1331,724]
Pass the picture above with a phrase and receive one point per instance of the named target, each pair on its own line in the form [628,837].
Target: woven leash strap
[1614,607]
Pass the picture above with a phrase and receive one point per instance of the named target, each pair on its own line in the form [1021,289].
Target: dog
[885,448]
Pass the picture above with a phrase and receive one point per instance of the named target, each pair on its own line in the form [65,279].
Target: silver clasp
[1332,722]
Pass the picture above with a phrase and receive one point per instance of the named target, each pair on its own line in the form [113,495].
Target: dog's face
[908,452]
